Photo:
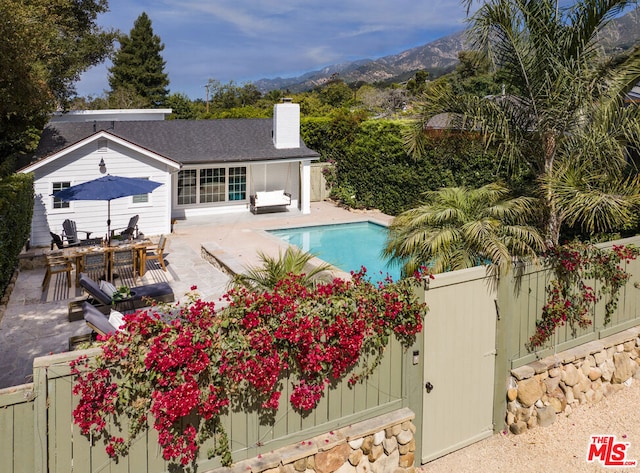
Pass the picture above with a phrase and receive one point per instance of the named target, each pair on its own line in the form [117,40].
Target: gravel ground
[562,447]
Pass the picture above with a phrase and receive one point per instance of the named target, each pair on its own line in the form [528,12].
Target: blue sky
[245,41]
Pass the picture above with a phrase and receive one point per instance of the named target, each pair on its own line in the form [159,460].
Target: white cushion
[277,197]
[116,319]
[108,288]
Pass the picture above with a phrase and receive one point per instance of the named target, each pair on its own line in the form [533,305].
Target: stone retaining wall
[384,444]
[554,385]
[216,256]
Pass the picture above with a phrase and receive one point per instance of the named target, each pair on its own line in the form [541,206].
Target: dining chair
[157,252]
[57,263]
[123,264]
[94,264]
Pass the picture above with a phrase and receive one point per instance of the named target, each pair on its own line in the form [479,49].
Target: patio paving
[33,326]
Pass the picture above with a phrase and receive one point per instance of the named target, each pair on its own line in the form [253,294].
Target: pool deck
[31,326]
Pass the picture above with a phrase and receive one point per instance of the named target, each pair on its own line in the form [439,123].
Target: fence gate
[319,191]
[459,362]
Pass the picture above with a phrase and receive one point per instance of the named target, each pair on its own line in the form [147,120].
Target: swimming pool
[348,246]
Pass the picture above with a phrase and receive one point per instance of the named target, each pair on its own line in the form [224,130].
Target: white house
[207,167]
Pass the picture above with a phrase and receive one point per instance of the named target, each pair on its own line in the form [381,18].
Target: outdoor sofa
[269,201]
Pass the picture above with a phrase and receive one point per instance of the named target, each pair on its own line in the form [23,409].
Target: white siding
[81,166]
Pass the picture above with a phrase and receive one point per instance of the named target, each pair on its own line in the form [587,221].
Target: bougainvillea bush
[584,275]
[179,368]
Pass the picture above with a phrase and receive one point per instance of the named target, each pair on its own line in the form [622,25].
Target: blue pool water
[348,246]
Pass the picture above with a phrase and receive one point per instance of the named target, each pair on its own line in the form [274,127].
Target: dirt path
[562,447]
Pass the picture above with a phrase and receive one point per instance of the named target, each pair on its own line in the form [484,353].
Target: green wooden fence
[17,447]
[38,434]
[522,296]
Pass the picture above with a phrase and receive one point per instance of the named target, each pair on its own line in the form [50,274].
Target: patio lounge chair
[56,240]
[160,292]
[100,322]
[130,231]
[95,319]
[70,232]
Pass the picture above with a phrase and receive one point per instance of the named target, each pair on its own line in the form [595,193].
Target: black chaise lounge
[160,292]
[95,319]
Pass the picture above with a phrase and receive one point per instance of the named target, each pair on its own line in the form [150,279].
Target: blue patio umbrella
[107,188]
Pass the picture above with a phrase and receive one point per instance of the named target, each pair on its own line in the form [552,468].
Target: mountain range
[437,57]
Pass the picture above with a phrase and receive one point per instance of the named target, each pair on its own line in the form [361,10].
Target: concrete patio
[33,326]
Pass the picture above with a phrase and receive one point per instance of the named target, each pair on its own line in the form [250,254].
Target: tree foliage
[138,65]
[417,83]
[336,93]
[45,47]
[231,95]
[563,107]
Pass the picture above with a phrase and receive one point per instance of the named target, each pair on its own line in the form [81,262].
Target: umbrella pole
[108,222]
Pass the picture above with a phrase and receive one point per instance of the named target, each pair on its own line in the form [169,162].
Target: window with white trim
[187,179]
[58,186]
[237,183]
[212,185]
[140,198]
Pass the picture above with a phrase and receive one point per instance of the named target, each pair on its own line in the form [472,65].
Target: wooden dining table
[76,254]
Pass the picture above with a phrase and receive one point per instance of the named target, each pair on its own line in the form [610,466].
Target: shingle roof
[185,141]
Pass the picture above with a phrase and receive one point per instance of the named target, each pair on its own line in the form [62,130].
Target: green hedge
[16,210]
[373,169]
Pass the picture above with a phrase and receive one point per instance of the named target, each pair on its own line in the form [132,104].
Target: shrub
[16,210]
[187,365]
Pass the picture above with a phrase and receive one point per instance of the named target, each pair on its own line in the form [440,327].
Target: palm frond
[480,229]
[274,269]
[595,201]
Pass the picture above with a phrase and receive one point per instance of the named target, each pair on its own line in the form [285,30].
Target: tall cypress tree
[138,66]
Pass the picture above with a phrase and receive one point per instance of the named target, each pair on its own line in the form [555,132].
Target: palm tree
[293,261]
[563,107]
[460,228]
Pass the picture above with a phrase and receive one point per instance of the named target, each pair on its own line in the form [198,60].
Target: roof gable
[53,141]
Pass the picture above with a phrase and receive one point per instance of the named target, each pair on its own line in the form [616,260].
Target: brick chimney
[286,124]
